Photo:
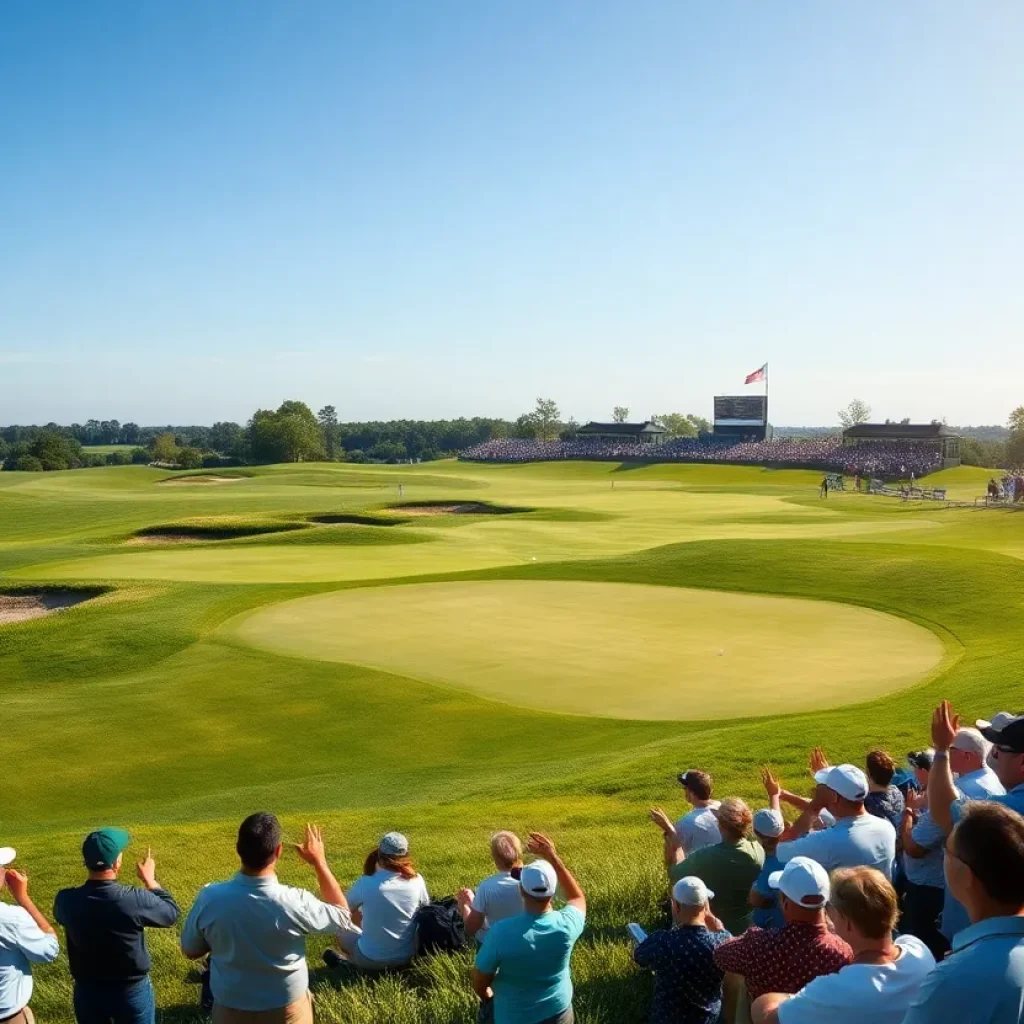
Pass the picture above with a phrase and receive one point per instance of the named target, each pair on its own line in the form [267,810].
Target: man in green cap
[105,925]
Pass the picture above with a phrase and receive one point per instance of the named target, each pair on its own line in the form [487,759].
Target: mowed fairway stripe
[619,650]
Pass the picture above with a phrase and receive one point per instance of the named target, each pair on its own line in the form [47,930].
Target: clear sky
[431,209]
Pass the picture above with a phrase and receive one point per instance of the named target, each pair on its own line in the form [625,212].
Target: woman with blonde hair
[498,896]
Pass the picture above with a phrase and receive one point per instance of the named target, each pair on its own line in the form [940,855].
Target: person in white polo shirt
[26,938]
[967,760]
[857,839]
[885,976]
[499,895]
[699,827]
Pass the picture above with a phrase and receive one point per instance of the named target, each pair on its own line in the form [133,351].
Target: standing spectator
[498,896]
[698,827]
[924,892]
[384,903]
[982,979]
[105,923]
[884,800]
[768,826]
[254,929]
[522,969]
[856,839]
[787,959]
[967,760]
[687,983]
[26,938]
[729,869]
[884,977]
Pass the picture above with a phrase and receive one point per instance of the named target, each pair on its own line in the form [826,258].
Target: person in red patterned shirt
[799,952]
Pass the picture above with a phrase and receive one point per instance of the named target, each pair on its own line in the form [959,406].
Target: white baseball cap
[845,779]
[804,881]
[769,823]
[394,844]
[970,741]
[999,721]
[538,879]
[7,854]
[691,892]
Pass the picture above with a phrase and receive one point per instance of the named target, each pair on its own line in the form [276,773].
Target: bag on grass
[440,928]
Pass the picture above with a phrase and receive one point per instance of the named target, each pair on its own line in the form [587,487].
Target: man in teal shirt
[522,968]
[982,979]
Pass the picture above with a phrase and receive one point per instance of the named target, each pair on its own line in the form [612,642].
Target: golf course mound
[206,532]
[203,479]
[460,508]
[352,519]
[21,606]
[608,649]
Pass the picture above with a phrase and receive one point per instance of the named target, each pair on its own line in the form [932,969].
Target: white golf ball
[534,559]
[720,652]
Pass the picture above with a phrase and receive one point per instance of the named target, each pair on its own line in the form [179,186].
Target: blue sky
[447,208]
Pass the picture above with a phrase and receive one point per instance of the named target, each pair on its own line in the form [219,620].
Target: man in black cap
[105,924]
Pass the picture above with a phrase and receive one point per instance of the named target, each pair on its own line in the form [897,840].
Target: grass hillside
[149,706]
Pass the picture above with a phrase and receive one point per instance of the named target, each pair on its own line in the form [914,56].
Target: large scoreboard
[741,411]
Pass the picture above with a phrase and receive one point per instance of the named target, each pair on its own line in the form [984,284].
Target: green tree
[291,434]
[1017,420]
[544,420]
[28,464]
[676,424]
[856,412]
[227,438]
[189,458]
[328,419]
[620,414]
[164,448]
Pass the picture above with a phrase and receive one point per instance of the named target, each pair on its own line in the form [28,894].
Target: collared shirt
[22,943]
[728,870]
[1014,800]
[768,917]
[888,804]
[982,979]
[105,922]
[862,840]
[980,785]
[926,870]
[784,960]
[496,898]
[687,983]
[699,828]
[255,929]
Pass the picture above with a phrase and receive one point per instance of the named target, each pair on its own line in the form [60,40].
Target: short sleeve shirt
[699,828]
[728,870]
[926,870]
[888,805]
[496,898]
[389,904]
[687,982]
[768,917]
[861,841]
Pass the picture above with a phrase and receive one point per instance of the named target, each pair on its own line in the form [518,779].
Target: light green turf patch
[608,649]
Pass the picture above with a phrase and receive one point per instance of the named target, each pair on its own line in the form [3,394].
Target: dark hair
[400,865]
[881,767]
[259,836]
[698,783]
[990,840]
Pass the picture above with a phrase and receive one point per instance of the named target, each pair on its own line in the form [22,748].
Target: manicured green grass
[141,708]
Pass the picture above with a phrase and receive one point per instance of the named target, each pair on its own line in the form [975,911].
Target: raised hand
[146,869]
[945,726]
[464,897]
[662,820]
[771,784]
[712,923]
[17,882]
[540,846]
[312,850]
[818,760]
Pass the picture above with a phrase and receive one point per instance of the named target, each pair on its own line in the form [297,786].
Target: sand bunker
[162,539]
[344,519]
[22,607]
[201,479]
[164,535]
[464,508]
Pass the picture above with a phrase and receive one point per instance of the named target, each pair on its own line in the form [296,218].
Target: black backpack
[440,928]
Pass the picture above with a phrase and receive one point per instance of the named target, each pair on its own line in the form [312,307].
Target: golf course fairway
[618,650]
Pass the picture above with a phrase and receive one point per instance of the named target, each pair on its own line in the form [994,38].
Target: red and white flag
[753,378]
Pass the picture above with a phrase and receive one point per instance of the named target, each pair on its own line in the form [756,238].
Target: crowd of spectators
[893,895]
[883,459]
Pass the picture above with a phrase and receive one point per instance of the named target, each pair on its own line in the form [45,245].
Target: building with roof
[926,434]
[623,433]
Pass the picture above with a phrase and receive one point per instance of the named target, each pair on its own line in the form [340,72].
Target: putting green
[619,650]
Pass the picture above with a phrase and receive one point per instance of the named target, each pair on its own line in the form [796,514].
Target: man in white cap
[687,984]
[787,959]
[967,760]
[522,969]
[768,826]
[857,839]
[26,938]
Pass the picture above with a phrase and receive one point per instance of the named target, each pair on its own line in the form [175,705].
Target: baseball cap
[101,848]
[7,854]
[845,779]
[921,759]
[970,741]
[999,721]
[691,892]
[1010,736]
[394,844]
[769,823]
[804,881]
[538,879]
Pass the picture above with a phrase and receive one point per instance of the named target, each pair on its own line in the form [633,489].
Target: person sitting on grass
[729,868]
[384,903]
[687,983]
[498,896]
[522,969]
[884,976]
[699,827]
[105,924]
[982,979]
[884,800]
[254,928]
[768,826]
[26,938]
[789,958]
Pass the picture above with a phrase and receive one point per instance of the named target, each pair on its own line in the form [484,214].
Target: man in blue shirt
[522,968]
[982,979]
[768,826]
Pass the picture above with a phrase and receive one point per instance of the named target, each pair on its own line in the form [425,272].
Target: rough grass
[134,709]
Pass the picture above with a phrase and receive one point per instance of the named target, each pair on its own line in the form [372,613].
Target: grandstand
[930,437]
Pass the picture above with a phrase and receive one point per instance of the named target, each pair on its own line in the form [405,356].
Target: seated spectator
[967,760]
[982,979]
[698,827]
[789,958]
[498,896]
[522,969]
[857,839]
[884,800]
[687,983]
[729,868]
[768,826]
[884,977]
[26,938]
[384,903]
[105,924]
[254,929]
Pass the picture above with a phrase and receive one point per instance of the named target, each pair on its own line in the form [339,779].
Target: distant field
[106,449]
[449,675]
